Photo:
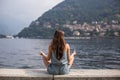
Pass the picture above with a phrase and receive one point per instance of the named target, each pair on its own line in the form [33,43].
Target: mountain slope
[70,11]
[82,10]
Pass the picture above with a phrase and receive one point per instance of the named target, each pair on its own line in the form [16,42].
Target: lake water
[94,53]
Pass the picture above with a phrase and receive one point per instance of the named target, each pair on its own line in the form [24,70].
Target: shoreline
[74,38]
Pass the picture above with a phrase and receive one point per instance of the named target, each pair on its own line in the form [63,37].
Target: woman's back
[58,66]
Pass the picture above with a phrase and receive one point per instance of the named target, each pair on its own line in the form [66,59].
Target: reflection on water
[94,53]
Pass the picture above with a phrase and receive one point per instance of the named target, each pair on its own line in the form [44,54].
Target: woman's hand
[41,53]
[74,52]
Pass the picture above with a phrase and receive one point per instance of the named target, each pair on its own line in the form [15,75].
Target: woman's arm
[47,57]
[49,53]
[68,53]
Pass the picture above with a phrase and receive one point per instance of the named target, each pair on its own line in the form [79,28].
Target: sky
[17,14]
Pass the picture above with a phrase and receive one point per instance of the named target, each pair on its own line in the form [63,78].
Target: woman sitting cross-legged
[58,60]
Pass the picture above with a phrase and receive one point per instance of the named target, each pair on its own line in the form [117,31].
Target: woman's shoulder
[67,45]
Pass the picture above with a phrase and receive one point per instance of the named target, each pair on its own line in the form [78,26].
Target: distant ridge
[72,12]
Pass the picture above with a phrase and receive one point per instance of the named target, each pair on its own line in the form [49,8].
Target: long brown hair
[58,43]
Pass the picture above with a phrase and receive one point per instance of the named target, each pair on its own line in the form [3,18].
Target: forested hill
[73,12]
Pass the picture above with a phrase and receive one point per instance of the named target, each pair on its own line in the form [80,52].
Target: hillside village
[101,28]
[94,29]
